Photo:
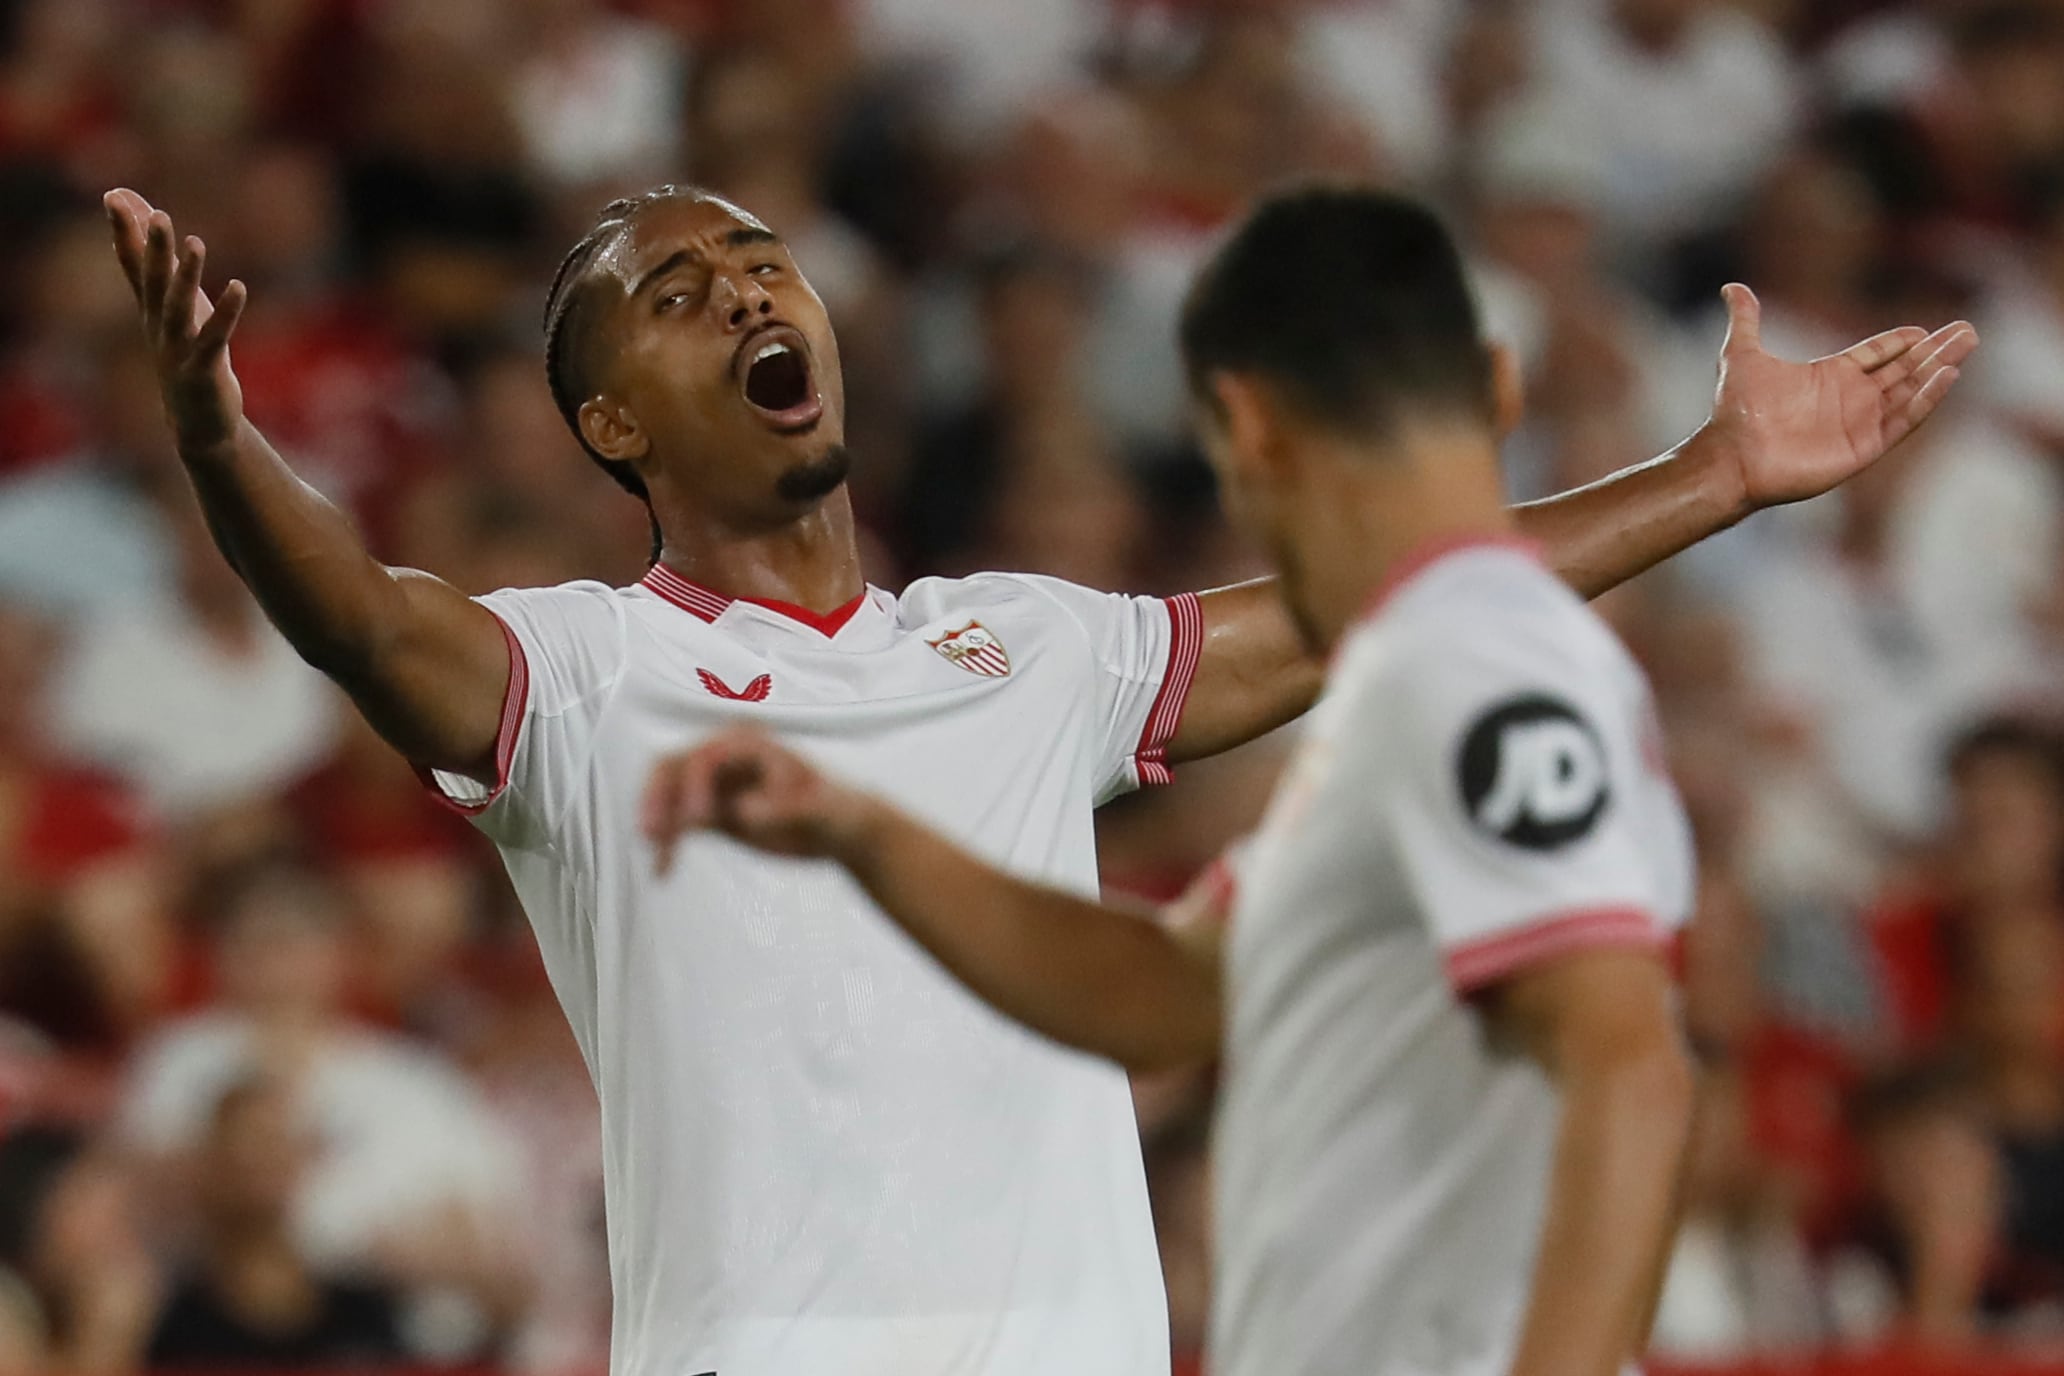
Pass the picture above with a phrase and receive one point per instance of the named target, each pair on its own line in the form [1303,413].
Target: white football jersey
[1477,791]
[822,1154]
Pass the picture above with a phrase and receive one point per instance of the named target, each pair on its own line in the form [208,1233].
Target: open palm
[1798,429]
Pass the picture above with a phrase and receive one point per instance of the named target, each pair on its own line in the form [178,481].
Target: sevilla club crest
[974,649]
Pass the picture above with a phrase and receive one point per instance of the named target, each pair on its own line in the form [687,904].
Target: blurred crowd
[281,1080]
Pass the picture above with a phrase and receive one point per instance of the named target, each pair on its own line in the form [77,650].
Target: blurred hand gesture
[187,334]
[742,784]
[1799,429]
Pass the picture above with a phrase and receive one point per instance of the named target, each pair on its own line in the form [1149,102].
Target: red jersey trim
[692,598]
[1432,552]
[1185,649]
[1220,887]
[514,700]
[826,624]
[709,604]
[1474,964]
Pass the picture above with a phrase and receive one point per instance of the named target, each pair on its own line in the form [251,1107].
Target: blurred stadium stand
[265,1013]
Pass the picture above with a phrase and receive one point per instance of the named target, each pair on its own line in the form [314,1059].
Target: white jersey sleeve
[1145,652]
[1527,800]
[567,648]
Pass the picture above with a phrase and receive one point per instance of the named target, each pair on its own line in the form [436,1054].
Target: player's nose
[740,301]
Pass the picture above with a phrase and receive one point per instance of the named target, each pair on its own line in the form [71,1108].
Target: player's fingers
[752,811]
[1744,320]
[656,809]
[215,332]
[738,777]
[1959,342]
[131,203]
[1922,404]
[127,228]
[157,267]
[653,804]
[1880,349]
[698,803]
[1953,344]
[782,774]
[185,287]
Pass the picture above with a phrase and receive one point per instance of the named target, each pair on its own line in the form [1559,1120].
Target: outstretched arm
[426,665]
[1113,981]
[1779,432]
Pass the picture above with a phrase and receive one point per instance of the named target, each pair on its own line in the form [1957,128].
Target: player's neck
[812,562]
[1362,520]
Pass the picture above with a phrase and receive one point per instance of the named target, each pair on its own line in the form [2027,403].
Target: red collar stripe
[689,597]
[708,604]
[826,624]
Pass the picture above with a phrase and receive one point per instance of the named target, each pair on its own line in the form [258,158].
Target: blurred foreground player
[1456,1094]
[821,1153]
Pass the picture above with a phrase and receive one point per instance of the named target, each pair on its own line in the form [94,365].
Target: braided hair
[566,320]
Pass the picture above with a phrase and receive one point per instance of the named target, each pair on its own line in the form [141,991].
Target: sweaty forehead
[658,231]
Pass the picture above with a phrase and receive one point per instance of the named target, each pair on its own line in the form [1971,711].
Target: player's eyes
[764,269]
[671,301]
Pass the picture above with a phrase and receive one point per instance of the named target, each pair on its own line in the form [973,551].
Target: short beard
[815,479]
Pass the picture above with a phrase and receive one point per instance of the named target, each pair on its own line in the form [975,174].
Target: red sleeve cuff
[514,698]
[1185,647]
[1472,965]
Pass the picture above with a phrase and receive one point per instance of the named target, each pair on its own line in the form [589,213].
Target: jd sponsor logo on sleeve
[1533,773]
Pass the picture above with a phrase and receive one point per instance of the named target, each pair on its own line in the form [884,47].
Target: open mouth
[774,378]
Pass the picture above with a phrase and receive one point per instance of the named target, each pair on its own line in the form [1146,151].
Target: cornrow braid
[562,307]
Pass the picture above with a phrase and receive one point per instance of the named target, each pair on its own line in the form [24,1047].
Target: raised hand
[742,784]
[1796,430]
[187,334]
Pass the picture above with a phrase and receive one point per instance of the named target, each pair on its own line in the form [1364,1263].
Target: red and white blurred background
[270,1025]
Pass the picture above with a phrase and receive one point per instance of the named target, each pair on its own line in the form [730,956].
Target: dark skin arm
[1601,1024]
[1140,989]
[1780,432]
[426,665]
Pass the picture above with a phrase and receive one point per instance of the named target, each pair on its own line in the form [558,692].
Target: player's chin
[811,478]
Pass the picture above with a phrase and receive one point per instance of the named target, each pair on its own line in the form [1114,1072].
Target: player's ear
[1252,423]
[612,431]
[1508,389]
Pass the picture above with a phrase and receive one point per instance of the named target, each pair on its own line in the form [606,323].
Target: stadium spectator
[78,1287]
[228,713]
[412,1178]
[2027,319]
[247,1299]
[2010,1004]
[1027,469]
[1687,101]
[86,946]
[1931,1250]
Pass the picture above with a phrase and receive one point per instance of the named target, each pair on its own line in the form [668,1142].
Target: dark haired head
[647,328]
[32,1159]
[1350,304]
[2008,737]
[2004,28]
[567,342]
[1903,1096]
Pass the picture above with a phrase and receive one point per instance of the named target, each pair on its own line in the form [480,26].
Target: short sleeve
[1145,652]
[1530,813]
[567,647]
